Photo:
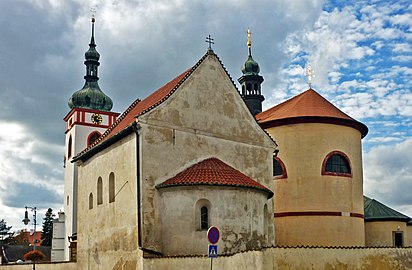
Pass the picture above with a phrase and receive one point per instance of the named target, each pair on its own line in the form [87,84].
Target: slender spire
[91,96]
[92,39]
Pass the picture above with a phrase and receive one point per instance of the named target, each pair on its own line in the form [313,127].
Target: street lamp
[26,221]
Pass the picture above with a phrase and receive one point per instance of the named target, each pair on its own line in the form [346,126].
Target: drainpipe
[136,129]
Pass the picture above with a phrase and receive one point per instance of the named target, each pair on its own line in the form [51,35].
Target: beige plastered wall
[295,258]
[237,212]
[205,117]
[380,233]
[303,148]
[409,235]
[268,259]
[108,233]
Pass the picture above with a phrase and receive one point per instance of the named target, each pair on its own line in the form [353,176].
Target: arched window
[243,90]
[249,88]
[93,137]
[202,214]
[91,200]
[111,187]
[99,191]
[204,218]
[279,169]
[69,147]
[337,163]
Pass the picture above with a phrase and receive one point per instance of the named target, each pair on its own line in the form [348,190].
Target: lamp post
[26,221]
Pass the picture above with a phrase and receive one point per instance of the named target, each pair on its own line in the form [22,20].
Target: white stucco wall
[238,213]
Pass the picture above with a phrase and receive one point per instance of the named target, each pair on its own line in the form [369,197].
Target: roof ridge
[162,98]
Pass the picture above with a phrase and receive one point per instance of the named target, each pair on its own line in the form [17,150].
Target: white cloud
[388,174]
[27,164]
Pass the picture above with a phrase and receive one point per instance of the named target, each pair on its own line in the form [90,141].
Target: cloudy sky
[361,52]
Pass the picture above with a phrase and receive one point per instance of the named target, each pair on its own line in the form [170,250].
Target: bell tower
[251,81]
[88,119]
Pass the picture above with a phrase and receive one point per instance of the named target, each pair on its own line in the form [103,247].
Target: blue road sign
[212,251]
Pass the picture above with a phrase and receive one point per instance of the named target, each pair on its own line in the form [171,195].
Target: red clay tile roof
[306,107]
[213,172]
[138,107]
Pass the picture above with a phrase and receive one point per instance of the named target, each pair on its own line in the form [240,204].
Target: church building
[198,153]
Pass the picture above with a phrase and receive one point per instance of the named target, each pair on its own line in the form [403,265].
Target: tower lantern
[251,81]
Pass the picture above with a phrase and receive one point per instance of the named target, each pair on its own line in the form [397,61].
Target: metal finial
[310,74]
[249,39]
[209,40]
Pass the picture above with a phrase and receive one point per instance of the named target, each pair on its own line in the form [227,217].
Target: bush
[34,256]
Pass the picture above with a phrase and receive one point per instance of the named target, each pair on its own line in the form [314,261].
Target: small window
[336,163]
[204,218]
[248,88]
[279,169]
[67,200]
[93,137]
[398,239]
[202,214]
[91,201]
[111,187]
[99,191]
[69,147]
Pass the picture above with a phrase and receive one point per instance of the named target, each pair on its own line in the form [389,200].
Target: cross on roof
[310,74]
[209,40]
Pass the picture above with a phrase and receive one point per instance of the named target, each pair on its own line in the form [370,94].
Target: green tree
[47,233]
[4,231]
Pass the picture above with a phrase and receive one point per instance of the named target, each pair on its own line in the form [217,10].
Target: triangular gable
[213,172]
[140,107]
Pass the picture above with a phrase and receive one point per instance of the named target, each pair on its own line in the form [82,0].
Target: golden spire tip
[249,39]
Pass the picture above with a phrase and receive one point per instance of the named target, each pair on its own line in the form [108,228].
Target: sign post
[213,235]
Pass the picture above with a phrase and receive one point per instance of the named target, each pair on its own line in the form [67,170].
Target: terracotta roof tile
[308,106]
[213,172]
[308,103]
[139,107]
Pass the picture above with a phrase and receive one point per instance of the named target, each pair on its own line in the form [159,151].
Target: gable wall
[205,117]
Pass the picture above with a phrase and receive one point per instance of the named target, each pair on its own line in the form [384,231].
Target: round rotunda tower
[318,196]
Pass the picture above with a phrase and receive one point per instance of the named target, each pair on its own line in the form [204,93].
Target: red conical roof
[307,107]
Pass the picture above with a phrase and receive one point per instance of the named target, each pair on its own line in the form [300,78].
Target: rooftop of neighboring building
[377,211]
